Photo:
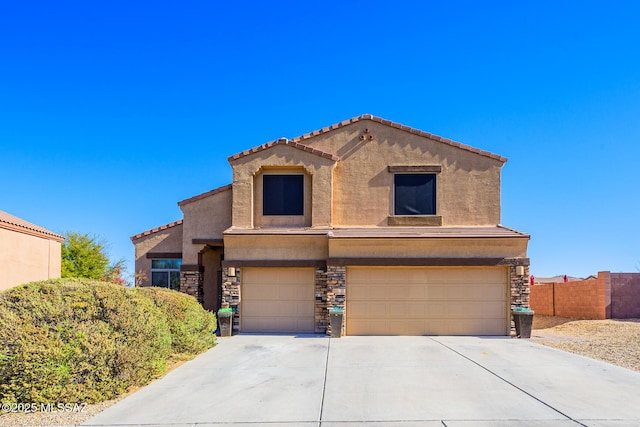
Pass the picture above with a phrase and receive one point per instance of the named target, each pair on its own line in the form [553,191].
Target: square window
[283,194]
[165,273]
[414,194]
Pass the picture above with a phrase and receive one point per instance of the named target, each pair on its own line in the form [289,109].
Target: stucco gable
[299,142]
[433,137]
[10,222]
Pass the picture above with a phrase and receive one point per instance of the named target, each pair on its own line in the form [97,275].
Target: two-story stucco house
[399,227]
[28,252]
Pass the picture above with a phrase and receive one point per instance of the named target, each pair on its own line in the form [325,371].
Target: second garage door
[426,301]
[278,300]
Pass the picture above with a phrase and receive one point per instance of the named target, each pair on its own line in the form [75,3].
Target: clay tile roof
[428,232]
[436,138]
[290,143]
[297,141]
[496,231]
[203,195]
[157,229]
[14,223]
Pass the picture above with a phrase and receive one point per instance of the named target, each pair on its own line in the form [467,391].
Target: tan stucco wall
[206,218]
[275,247]
[281,158]
[428,248]
[317,247]
[169,240]
[25,258]
[468,188]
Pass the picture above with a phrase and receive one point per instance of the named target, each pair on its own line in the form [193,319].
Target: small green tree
[85,256]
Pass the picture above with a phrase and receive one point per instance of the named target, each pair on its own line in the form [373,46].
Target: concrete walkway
[251,380]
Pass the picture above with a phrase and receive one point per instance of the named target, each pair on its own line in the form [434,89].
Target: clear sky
[112,112]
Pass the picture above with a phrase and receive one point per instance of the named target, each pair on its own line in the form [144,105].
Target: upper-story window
[414,194]
[282,194]
[165,273]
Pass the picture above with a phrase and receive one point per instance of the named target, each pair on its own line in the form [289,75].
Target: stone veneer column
[231,294]
[321,313]
[519,285]
[336,291]
[191,283]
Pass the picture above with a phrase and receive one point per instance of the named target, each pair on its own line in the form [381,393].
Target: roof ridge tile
[205,194]
[395,125]
[18,224]
[157,229]
[283,141]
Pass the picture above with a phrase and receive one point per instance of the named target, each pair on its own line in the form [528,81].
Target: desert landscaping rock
[57,419]
[612,341]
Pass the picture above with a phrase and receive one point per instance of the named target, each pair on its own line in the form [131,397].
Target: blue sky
[112,112]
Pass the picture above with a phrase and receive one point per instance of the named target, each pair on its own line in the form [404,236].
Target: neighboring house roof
[285,141]
[10,222]
[297,141]
[557,279]
[156,230]
[390,232]
[205,194]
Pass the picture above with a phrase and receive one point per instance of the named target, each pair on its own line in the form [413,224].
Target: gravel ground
[613,341]
[73,417]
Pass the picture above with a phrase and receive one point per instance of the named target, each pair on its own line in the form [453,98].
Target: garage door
[426,301]
[277,300]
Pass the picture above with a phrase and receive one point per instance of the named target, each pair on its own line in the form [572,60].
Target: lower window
[165,273]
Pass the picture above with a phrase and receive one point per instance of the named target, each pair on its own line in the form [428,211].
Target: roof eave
[156,230]
[286,142]
[205,195]
[32,231]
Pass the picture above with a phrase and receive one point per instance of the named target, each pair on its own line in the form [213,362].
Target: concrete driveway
[251,380]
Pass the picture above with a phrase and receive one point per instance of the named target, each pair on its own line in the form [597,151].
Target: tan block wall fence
[611,295]
[625,295]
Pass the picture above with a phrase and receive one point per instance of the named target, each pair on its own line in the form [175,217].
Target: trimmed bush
[191,327]
[76,340]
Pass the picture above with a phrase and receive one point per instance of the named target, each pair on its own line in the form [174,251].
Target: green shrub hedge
[191,327]
[73,340]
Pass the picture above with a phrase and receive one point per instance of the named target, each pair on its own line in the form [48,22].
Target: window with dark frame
[283,194]
[165,273]
[414,194]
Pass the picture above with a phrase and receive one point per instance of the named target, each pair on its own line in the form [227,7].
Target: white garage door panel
[278,300]
[426,301]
